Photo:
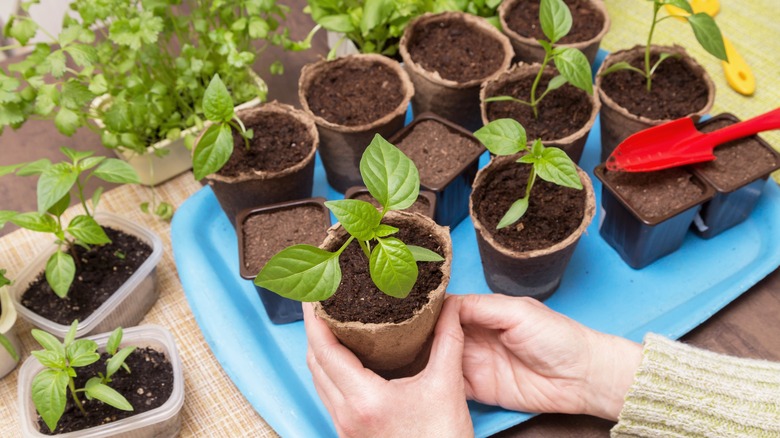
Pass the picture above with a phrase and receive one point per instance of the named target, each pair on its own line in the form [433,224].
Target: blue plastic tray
[267,362]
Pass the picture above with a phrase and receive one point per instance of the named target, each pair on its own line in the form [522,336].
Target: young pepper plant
[308,273]
[507,137]
[55,184]
[62,359]
[216,145]
[4,341]
[571,63]
[704,28]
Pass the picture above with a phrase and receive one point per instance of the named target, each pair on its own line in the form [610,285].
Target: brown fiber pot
[617,123]
[343,146]
[572,144]
[535,273]
[394,349]
[457,102]
[256,188]
[529,50]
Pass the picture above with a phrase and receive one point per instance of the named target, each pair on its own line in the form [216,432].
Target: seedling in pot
[507,137]
[216,145]
[571,63]
[704,28]
[308,273]
[62,359]
[4,341]
[54,187]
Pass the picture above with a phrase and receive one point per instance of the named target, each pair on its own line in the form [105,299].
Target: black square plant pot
[638,239]
[737,190]
[425,203]
[304,221]
[452,190]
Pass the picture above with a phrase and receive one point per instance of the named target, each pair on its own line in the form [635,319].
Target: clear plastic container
[125,308]
[162,422]
[7,320]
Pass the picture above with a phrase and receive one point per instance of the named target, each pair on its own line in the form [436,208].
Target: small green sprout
[507,137]
[308,273]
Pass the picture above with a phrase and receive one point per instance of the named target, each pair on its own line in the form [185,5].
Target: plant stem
[531,180]
[81,197]
[648,75]
[72,388]
[538,78]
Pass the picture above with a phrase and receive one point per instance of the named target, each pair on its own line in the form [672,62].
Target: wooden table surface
[747,327]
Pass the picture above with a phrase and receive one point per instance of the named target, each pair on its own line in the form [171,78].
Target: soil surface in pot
[676,89]
[267,233]
[456,50]
[561,113]
[358,299]
[736,162]
[587,21]
[421,205]
[355,94]
[553,214]
[438,151]
[99,273]
[279,142]
[656,194]
[147,387]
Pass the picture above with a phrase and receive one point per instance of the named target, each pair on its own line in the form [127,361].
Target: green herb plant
[308,273]
[62,360]
[507,137]
[4,341]
[216,145]
[572,64]
[704,28]
[55,183]
[481,8]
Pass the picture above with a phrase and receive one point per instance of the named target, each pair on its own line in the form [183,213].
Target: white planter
[347,47]
[165,421]
[152,169]
[125,308]
[7,320]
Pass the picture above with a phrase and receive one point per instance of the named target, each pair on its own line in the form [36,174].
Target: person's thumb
[447,350]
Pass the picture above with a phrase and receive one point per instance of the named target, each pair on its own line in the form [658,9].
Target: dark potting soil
[147,387]
[561,113]
[553,214]
[587,21]
[736,162]
[353,95]
[280,141]
[438,151]
[421,205]
[676,90]
[268,233]
[99,273]
[456,50]
[656,194]
[358,299]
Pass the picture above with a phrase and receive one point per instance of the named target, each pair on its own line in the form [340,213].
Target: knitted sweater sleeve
[682,391]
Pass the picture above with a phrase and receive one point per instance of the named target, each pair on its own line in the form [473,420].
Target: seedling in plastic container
[507,137]
[571,63]
[308,273]
[62,359]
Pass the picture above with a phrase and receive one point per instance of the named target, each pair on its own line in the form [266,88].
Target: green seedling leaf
[50,359]
[555,18]
[21,29]
[87,230]
[96,197]
[113,341]
[48,342]
[217,103]
[374,13]
[90,162]
[622,65]
[421,254]
[708,35]
[164,211]
[392,267]
[9,347]
[67,121]
[117,360]
[390,176]
[36,167]
[574,66]
[384,230]
[60,271]
[116,171]
[107,395]
[556,83]
[515,212]
[302,273]
[359,218]
[213,151]
[337,23]
[82,352]
[556,167]
[5,170]
[54,183]
[682,4]
[502,136]
[75,155]
[661,59]
[60,207]
[42,223]
[48,394]
[71,335]
[4,281]
[83,55]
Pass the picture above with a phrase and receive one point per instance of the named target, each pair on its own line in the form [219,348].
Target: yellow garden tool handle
[709,7]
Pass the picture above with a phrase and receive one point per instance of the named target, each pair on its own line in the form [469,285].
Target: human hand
[363,404]
[521,355]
